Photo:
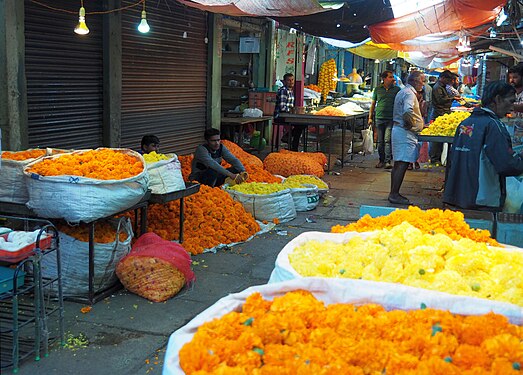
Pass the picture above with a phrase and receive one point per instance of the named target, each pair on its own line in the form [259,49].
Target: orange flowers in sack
[23,155]
[451,223]
[287,164]
[100,164]
[212,218]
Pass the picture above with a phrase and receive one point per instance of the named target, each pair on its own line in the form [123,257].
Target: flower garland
[297,334]
[23,155]
[104,164]
[212,217]
[451,223]
[405,255]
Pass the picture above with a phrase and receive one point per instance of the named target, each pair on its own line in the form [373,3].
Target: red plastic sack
[152,245]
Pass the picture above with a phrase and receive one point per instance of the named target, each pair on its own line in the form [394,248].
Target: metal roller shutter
[164,76]
[64,76]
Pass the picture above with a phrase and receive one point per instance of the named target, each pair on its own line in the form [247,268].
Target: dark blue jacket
[481,158]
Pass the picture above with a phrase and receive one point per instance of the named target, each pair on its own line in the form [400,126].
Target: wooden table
[330,123]
[228,125]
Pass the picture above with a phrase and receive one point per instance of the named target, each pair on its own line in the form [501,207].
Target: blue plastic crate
[6,279]
[375,211]
[480,224]
[510,229]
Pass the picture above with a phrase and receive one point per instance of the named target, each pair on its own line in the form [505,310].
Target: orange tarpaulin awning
[451,15]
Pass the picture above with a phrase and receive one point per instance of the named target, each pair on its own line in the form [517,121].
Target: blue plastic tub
[6,279]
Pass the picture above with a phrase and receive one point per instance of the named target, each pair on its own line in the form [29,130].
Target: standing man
[382,106]
[285,104]
[515,78]
[206,166]
[408,122]
[441,102]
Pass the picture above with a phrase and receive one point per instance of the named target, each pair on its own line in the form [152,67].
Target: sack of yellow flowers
[155,269]
[165,173]
[86,185]
[301,326]
[112,241]
[287,164]
[406,255]
[13,188]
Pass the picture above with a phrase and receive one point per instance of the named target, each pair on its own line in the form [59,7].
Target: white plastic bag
[514,201]
[74,256]
[368,141]
[306,198]
[76,199]
[330,291]
[165,176]
[444,154]
[252,112]
[267,206]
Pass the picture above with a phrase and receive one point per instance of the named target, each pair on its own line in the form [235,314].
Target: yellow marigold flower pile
[330,111]
[297,180]
[103,164]
[154,157]
[23,155]
[297,334]
[104,232]
[327,78]
[405,255]
[451,223]
[446,125]
[212,217]
[258,188]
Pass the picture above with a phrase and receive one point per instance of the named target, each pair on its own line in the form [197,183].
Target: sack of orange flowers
[155,268]
[301,326]
[112,241]
[86,185]
[13,188]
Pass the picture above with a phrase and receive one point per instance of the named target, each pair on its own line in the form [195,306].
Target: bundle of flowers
[211,218]
[100,164]
[327,78]
[257,188]
[445,125]
[23,155]
[186,161]
[104,232]
[318,157]
[299,180]
[287,164]
[244,157]
[330,111]
[451,223]
[405,255]
[298,334]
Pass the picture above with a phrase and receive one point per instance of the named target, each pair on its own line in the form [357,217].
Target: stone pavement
[128,334]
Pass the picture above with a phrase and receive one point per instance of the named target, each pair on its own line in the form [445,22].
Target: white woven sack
[391,296]
[74,256]
[84,199]
[306,198]
[267,206]
[165,176]
[13,187]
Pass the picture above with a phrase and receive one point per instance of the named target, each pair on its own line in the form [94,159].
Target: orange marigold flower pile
[288,164]
[330,111]
[186,161]
[244,157]
[313,87]
[297,334]
[103,233]
[212,217]
[451,223]
[103,164]
[23,155]
[319,157]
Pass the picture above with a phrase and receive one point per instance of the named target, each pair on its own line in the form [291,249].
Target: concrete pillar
[112,75]
[13,87]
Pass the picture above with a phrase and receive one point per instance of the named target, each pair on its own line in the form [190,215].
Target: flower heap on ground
[297,334]
[104,233]
[212,218]
[327,78]
[405,255]
[446,125]
[451,223]
[104,164]
[22,155]
[293,163]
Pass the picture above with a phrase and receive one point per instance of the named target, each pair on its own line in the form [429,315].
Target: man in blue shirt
[383,105]
[285,103]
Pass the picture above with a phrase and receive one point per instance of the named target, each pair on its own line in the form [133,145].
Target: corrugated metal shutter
[64,77]
[164,76]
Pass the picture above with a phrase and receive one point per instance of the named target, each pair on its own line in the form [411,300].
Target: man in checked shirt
[285,103]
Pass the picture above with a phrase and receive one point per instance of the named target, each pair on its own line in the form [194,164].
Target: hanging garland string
[87,13]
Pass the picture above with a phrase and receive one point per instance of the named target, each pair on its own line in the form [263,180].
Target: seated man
[150,143]
[206,166]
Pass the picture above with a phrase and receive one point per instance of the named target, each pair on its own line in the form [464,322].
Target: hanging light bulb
[143,27]
[81,28]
